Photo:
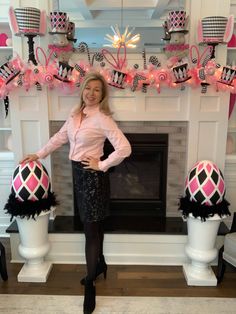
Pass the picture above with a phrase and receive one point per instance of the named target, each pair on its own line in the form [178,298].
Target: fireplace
[148,132]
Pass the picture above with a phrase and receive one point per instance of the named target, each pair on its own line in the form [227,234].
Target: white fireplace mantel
[207,114]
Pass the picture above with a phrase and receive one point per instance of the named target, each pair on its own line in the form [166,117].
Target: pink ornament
[162,76]
[3,39]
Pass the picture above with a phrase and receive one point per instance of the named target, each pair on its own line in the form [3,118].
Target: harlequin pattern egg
[30,181]
[205,183]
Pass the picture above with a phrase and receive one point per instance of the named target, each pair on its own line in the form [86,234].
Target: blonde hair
[103,105]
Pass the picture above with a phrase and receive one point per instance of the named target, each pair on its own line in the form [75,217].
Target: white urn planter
[30,203]
[34,246]
[203,206]
[201,250]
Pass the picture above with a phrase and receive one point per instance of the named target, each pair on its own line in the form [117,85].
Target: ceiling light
[127,39]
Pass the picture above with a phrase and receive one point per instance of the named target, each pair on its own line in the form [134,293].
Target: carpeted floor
[52,304]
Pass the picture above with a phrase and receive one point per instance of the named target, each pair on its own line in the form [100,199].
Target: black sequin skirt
[91,193]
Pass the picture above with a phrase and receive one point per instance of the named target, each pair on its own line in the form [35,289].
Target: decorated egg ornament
[30,192]
[205,183]
[30,181]
[204,191]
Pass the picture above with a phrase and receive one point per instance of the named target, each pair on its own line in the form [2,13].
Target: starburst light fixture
[126,39]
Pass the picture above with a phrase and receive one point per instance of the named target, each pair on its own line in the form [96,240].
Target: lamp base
[204,277]
[35,272]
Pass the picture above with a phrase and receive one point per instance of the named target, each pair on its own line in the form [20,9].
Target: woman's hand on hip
[30,157]
[90,163]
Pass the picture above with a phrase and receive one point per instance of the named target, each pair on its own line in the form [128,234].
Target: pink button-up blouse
[86,137]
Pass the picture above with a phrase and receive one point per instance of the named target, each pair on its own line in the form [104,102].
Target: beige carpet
[52,304]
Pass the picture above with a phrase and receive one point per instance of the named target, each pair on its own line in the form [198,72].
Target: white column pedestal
[35,273]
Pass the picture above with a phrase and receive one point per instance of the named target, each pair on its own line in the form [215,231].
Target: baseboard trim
[120,249]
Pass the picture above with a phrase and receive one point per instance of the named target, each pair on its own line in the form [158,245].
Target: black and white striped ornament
[204,87]
[38,86]
[206,59]
[201,74]
[83,47]
[6,106]
[144,59]
[98,56]
[80,70]
[154,61]
[136,79]
[144,87]
[136,66]
[20,80]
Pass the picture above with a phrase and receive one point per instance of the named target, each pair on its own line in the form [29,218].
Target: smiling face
[92,93]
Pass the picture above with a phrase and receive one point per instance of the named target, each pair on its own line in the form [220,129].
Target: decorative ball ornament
[30,181]
[205,183]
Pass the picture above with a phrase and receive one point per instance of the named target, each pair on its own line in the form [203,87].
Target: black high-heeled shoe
[101,268]
[89,297]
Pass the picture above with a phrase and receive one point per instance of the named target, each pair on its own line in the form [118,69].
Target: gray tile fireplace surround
[177,131]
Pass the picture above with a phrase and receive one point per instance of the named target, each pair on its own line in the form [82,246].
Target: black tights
[94,236]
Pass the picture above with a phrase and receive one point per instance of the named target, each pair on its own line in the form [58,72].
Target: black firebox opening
[138,184]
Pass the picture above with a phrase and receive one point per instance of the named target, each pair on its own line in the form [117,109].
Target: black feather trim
[29,209]
[203,211]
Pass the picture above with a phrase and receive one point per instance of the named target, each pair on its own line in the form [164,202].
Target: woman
[86,130]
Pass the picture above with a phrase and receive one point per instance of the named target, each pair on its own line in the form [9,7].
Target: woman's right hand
[30,157]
